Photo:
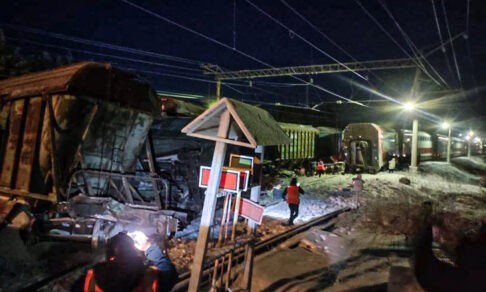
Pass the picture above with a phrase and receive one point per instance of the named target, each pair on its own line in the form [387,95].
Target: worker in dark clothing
[291,194]
[127,270]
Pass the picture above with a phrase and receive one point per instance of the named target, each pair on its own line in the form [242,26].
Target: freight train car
[308,144]
[70,141]
[302,145]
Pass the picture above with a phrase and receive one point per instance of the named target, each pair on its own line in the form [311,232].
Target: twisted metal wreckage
[77,157]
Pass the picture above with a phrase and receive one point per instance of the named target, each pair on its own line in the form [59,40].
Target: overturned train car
[70,142]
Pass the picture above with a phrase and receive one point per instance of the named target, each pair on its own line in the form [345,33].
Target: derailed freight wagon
[70,140]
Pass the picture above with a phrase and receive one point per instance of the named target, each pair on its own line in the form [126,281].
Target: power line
[156,15]
[410,43]
[99,44]
[102,55]
[328,38]
[272,84]
[420,65]
[318,30]
[227,84]
[440,37]
[302,38]
[452,45]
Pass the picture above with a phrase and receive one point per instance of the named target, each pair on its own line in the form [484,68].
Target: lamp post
[469,138]
[446,125]
[413,162]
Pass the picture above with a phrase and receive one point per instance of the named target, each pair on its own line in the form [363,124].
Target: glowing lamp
[409,106]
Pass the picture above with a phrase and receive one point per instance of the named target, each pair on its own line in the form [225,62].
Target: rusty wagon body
[70,139]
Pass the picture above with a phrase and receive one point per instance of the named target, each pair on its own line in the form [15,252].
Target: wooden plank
[51,102]
[29,144]
[9,159]
[206,115]
[224,140]
[242,125]
[209,204]
[50,197]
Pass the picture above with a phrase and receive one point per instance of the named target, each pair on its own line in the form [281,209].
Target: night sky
[223,32]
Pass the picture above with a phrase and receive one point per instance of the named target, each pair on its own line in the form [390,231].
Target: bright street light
[469,137]
[409,106]
[446,125]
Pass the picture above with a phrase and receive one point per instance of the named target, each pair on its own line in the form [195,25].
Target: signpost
[252,211]
[231,180]
[229,122]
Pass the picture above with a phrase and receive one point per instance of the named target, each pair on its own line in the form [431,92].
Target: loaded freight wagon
[70,142]
[302,142]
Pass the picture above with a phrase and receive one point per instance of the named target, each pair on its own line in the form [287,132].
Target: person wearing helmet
[126,268]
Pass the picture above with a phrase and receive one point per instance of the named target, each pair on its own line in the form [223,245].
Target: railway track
[238,255]
[260,247]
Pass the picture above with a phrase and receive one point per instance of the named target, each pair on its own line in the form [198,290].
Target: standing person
[292,194]
[357,186]
[126,270]
[320,168]
[392,164]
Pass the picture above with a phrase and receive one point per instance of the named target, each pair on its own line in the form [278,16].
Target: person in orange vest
[320,168]
[126,269]
[291,195]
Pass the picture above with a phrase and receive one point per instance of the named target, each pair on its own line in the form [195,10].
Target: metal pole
[469,147]
[449,147]
[218,89]
[413,166]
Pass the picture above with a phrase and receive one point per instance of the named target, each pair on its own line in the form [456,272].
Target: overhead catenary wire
[452,45]
[210,81]
[410,43]
[99,44]
[156,15]
[448,63]
[329,39]
[166,72]
[420,65]
[303,39]
[102,54]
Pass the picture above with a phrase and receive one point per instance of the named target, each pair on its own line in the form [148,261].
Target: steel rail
[183,282]
[260,246]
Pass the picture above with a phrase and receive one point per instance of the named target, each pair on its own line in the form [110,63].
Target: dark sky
[243,29]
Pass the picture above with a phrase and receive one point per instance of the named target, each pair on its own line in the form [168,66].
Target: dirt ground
[376,235]
[367,243]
